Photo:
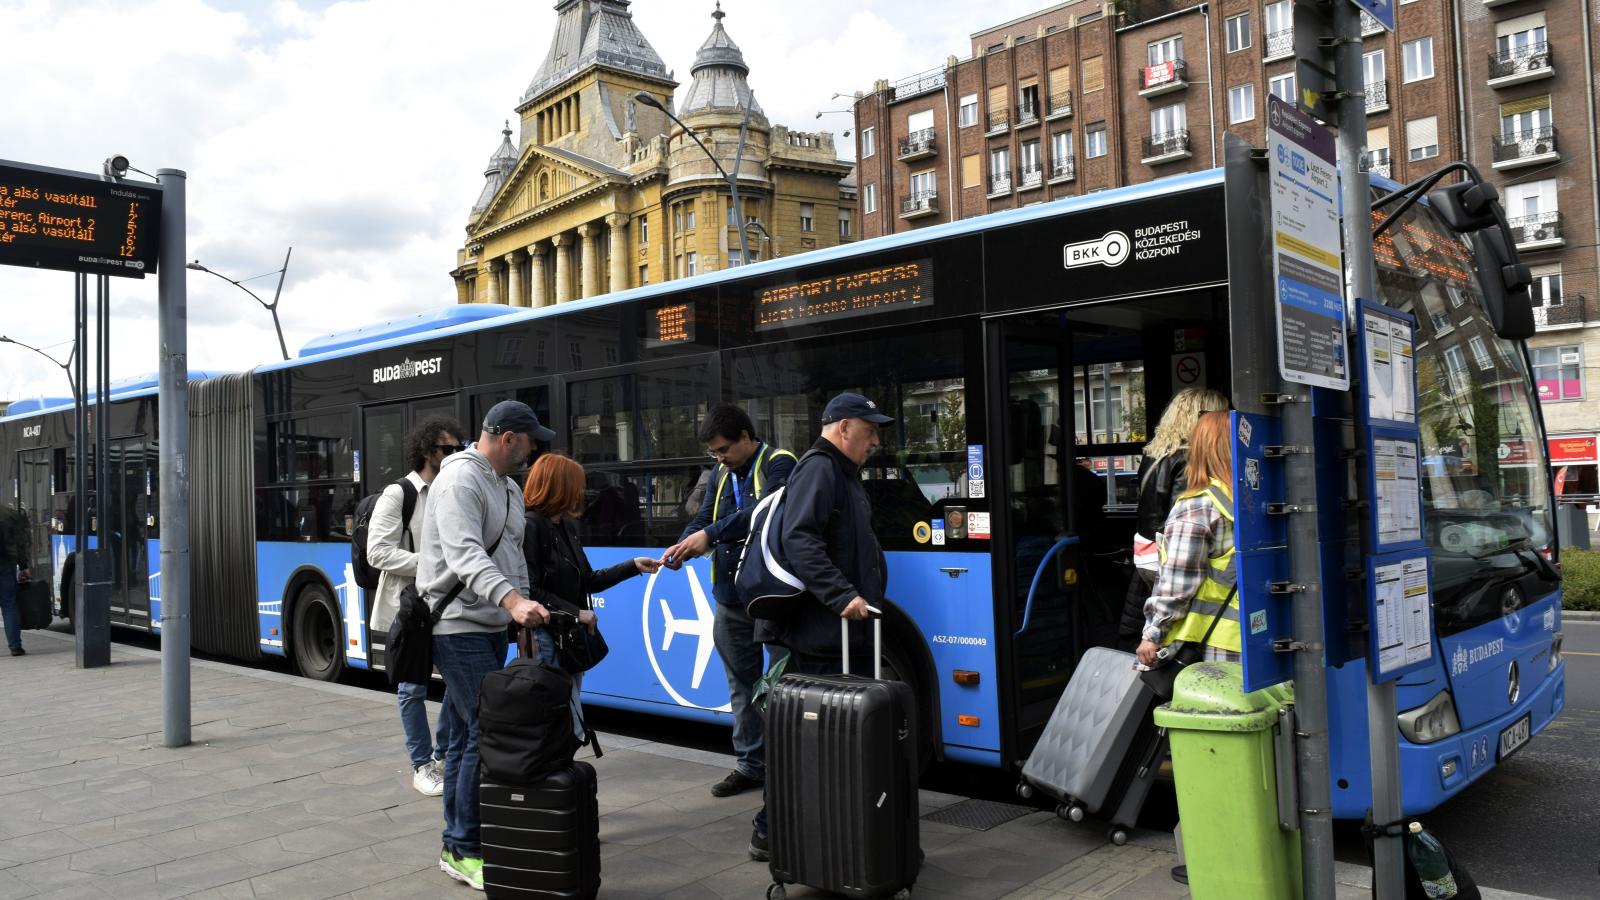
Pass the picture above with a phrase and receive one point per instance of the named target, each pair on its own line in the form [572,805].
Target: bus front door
[1037,559]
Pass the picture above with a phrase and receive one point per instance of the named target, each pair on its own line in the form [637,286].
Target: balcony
[1370,25]
[1568,312]
[1280,45]
[920,83]
[918,145]
[1063,169]
[1379,167]
[1030,178]
[1165,148]
[1027,115]
[999,184]
[922,203]
[999,120]
[1537,232]
[1520,65]
[1060,105]
[1163,78]
[1526,148]
[1377,96]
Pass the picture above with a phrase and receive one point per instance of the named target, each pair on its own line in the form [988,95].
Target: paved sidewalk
[295,789]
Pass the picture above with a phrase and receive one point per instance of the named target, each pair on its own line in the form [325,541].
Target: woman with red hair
[559,574]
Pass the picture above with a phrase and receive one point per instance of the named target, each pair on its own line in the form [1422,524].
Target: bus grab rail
[1033,589]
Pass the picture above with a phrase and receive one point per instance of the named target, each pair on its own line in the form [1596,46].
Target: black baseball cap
[514,415]
[853,406]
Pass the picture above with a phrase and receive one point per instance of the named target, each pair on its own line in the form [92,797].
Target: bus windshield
[1486,495]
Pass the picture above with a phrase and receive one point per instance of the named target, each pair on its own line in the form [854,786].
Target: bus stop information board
[53,219]
[1305,249]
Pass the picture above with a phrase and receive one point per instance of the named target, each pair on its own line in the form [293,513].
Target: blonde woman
[1161,478]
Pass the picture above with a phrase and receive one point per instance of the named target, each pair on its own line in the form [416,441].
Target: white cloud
[356,132]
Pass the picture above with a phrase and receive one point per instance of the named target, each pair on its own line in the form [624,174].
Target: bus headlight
[1432,721]
[1555,651]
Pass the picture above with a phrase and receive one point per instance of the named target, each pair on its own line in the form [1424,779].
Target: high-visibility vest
[1216,596]
[763,457]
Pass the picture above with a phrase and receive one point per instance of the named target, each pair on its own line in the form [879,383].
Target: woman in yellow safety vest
[1196,585]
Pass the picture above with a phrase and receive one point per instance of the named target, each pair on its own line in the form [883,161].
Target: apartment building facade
[1088,95]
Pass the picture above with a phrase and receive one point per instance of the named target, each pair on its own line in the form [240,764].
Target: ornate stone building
[600,192]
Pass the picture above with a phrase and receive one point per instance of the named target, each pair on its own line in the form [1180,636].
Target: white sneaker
[427,780]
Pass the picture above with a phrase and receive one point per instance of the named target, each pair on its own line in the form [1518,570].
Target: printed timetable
[50,219]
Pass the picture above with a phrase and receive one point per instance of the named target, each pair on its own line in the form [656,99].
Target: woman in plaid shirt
[1197,571]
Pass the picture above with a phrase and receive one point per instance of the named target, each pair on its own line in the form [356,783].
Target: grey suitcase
[1101,751]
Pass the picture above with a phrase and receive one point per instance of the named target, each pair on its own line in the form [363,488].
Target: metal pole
[1383,750]
[274,307]
[173,425]
[733,188]
[80,464]
[94,573]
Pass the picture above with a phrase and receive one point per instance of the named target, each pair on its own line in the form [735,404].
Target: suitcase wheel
[1070,811]
[776,891]
[1118,836]
[1024,790]
[903,894]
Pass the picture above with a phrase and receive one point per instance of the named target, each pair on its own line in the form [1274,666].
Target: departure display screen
[884,289]
[51,219]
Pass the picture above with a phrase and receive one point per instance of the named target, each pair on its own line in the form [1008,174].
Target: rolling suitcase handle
[877,642]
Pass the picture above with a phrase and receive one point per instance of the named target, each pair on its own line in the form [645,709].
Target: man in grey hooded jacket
[472,537]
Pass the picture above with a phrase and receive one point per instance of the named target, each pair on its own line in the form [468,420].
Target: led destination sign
[877,290]
[670,324]
[50,219]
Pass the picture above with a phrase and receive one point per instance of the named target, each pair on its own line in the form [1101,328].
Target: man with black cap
[829,544]
[472,537]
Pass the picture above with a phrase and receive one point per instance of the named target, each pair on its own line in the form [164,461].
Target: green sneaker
[466,869]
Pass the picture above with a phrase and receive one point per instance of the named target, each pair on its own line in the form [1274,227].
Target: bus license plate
[1516,735]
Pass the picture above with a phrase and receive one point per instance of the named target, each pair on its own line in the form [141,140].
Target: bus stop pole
[80,467]
[173,406]
[1355,194]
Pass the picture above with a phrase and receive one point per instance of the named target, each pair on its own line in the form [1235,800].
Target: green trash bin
[1225,765]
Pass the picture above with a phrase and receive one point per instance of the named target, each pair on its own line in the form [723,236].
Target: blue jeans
[745,663]
[545,642]
[8,604]
[421,745]
[463,660]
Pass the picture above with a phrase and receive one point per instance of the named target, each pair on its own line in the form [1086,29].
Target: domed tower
[716,106]
[500,166]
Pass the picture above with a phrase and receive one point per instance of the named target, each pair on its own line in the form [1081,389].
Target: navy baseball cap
[853,406]
[514,415]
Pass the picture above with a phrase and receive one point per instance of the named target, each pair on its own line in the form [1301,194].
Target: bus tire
[898,666]
[315,636]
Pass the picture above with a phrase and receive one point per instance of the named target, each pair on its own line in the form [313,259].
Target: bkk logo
[408,369]
[683,681]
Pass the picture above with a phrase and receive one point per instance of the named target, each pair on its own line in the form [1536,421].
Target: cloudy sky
[356,132]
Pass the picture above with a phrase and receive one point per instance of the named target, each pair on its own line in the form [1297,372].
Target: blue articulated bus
[1026,354]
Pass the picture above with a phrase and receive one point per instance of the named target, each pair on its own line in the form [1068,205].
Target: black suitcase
[33,604]
[1101,751]
[542,840]
[842,783]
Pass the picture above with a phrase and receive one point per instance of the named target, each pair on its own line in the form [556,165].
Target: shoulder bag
[1183,655]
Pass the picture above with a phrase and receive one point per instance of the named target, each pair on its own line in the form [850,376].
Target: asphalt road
[1529,826]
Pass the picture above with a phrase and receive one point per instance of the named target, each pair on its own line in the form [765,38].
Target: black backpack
[524,722]
[366,574]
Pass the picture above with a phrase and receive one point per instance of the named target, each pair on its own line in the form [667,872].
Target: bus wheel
[318,651]
[897,667]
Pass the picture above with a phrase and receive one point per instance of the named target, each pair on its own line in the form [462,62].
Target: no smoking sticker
[1188,370]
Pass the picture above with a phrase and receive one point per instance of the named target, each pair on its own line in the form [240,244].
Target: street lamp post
[733,181]
[64,366]
[269,307]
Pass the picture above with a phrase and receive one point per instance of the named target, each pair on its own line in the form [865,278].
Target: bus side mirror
[1468,206]
[1505,285]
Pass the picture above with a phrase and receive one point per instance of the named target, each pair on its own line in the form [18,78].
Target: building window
[1558,371]
[1372,67]
[844,223]
[1000,167]
[1282,87]
[1028,102]
[1480,353]
[1531,198]
[924,184]
[644,230]
[689,267]
[869,144]
[869,198]
[1277,25]
[734,259]
[1238,32]
[1241,103]
[1165,50]
[1028,157]
[1521,37]
[1525,118]
[1422,138]
[1546,287]
[971,171]
[808,217]
[1094,142]
[1060,146]
[1418,55]
[1094,74]
[969,111]
[644,275]
[1168,120]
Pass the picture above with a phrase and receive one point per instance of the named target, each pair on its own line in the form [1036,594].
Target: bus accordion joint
[964,676]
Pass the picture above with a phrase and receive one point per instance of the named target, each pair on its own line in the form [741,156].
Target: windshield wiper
[1514,547]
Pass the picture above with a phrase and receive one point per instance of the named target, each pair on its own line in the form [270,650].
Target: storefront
[1575,460]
